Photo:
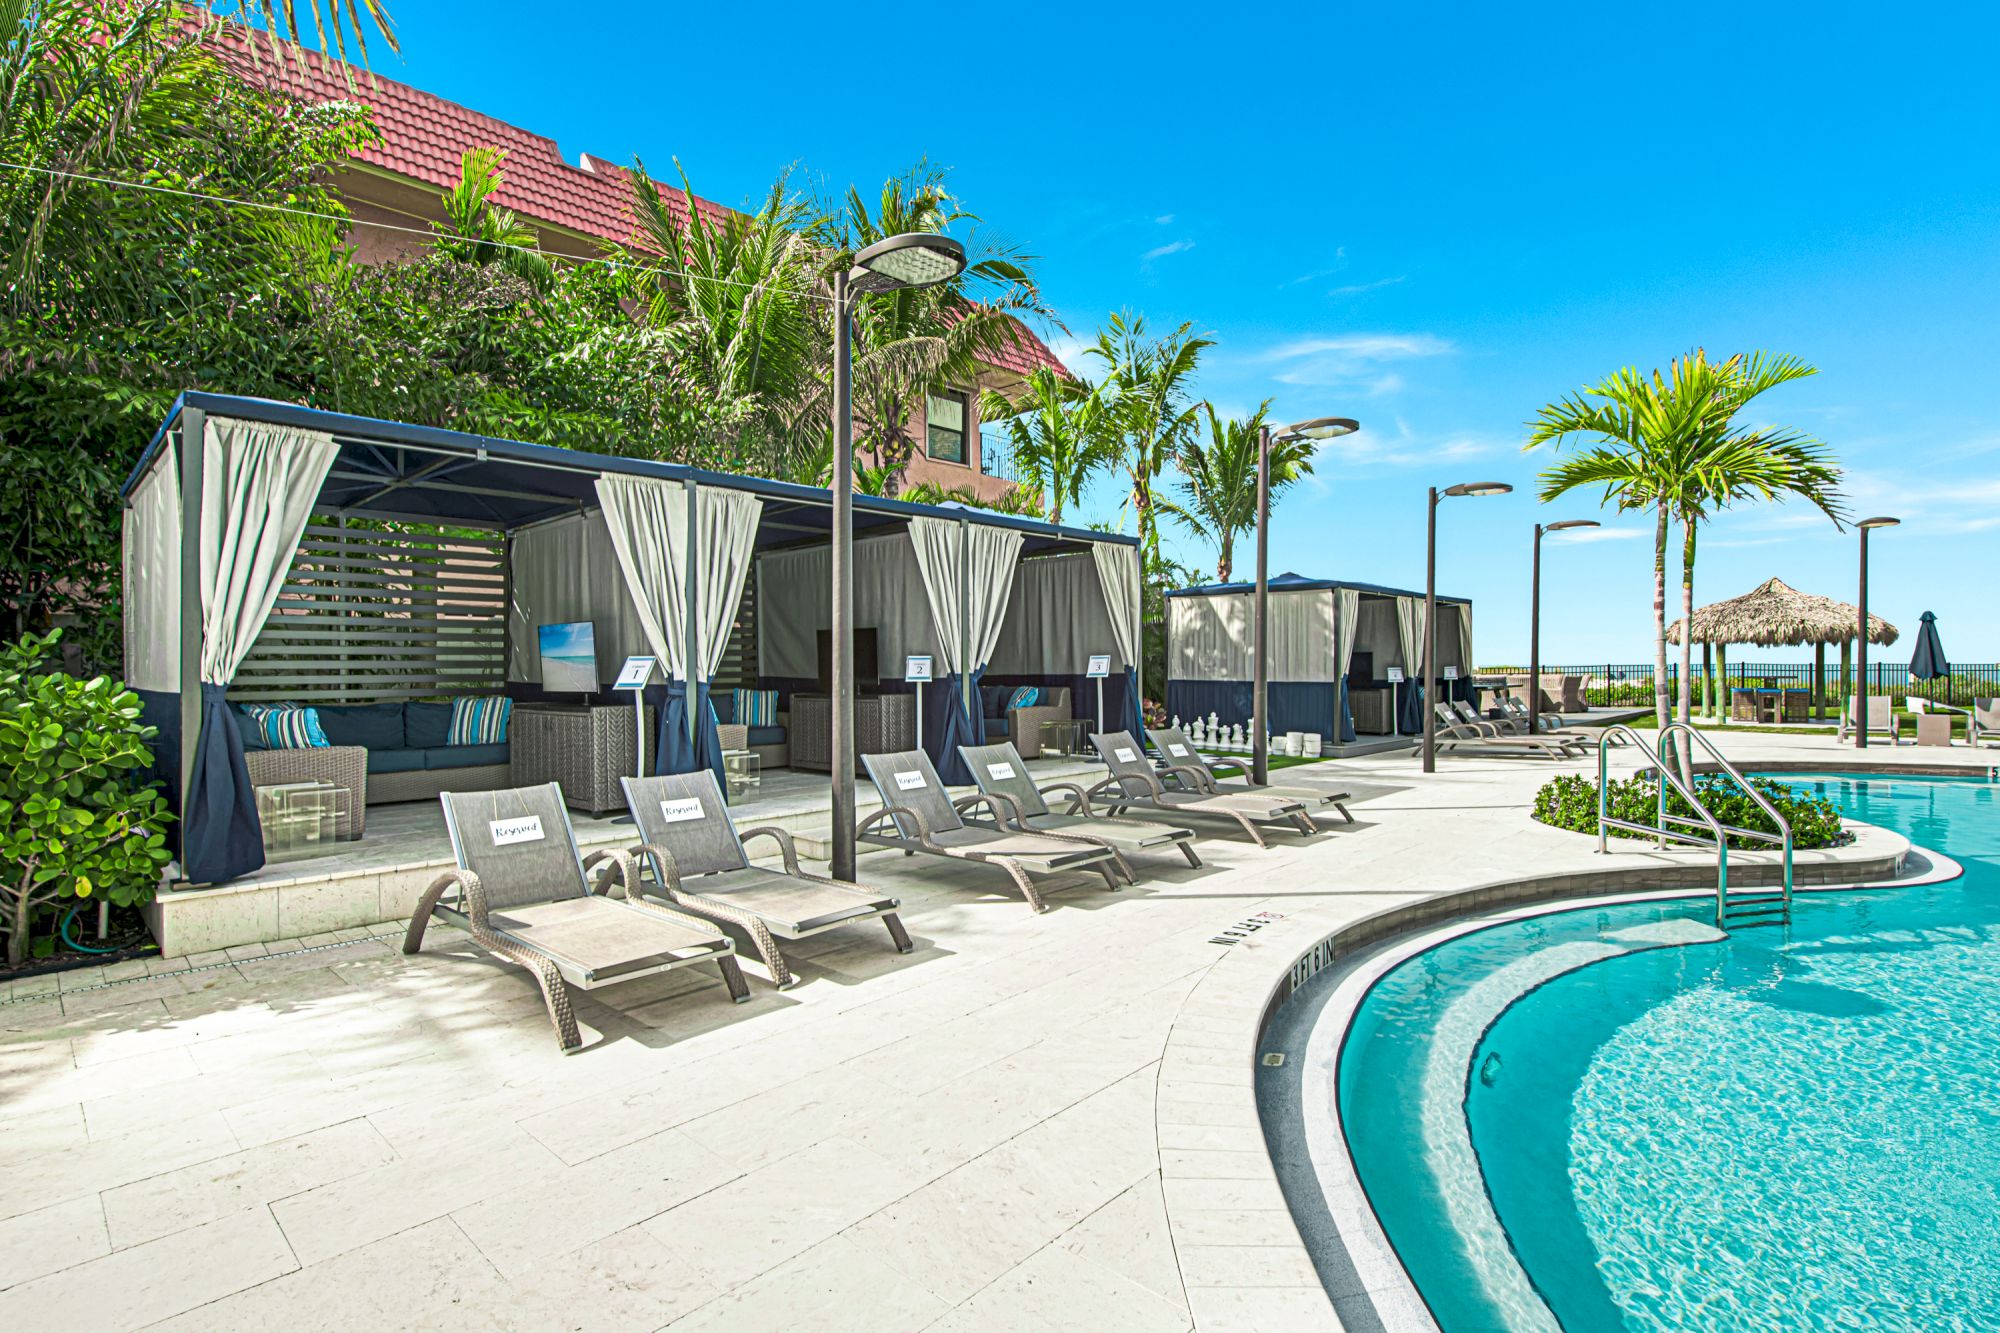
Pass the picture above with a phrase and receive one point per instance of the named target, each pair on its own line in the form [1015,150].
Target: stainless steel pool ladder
[1731,909]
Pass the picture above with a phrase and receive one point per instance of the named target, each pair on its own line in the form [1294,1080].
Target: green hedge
[1570,802]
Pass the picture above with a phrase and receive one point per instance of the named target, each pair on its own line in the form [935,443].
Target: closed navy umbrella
[1928,662]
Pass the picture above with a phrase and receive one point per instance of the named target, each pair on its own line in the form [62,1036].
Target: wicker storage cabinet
[586,750]
[883,724]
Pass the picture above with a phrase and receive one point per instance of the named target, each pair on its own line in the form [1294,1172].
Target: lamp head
[1319,428]
[1868,523]
[1478,488]
[1570,524]
[913,259]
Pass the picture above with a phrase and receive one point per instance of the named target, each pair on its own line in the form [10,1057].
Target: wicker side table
[586,750]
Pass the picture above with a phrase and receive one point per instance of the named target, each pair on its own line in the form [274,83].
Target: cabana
[279,553]
[1332,645]
[1776,614]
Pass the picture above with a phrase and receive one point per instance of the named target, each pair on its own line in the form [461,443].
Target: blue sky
[1431,220]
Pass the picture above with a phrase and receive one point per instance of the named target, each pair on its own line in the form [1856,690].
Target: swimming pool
[1618,1119]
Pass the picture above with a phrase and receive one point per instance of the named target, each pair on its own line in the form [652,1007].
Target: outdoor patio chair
[1934,729]
[1177,749]
[1984,722]
[1001,775]
[918,815]
[1134,784]
[700,863]
[1452,734]
[524,896]
[1551,725]
[1506,728]
[1881,718]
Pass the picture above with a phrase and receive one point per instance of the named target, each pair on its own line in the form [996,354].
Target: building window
[944,435]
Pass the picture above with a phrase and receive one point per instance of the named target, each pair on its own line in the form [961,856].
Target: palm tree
[1059,434]
[1219,480]
[1668,443]
[1151,407]
[911,342]
[478,231]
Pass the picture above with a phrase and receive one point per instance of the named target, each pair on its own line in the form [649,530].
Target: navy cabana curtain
[968,574]
[684,551]
[259,483]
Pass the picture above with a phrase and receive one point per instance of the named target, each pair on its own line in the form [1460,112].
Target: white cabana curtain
[968,570]
[647,520]
[1056,618]
[259,483]
[1410,632]
[567,570]
[1301,629]
[1118,572]
[1347,614]
[794,602]
[1209,638]
[152,523]
[725,538]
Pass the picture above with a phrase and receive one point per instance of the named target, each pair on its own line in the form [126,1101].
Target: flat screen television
[569,657]
[1361,668]
[867,666]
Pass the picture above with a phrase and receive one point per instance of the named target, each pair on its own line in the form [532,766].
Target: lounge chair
[1881,717]
[1000,774]
[524,895]
[1506,728]
[1550,724]
[1177,749]
[1453,734]
[1984,721]
[917,815]
[700,863]
[1134,784]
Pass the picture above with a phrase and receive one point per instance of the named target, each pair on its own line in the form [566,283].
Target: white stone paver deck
[978,1135]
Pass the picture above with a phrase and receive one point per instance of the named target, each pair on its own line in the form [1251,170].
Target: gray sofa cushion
[464,756]
[426,726]
[395,761]
[766,736]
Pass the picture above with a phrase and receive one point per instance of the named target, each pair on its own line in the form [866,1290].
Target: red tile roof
[423,137]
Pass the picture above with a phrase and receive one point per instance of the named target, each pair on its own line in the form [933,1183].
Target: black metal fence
[1631,683]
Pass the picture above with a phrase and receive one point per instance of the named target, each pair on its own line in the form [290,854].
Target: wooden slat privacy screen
[367,614]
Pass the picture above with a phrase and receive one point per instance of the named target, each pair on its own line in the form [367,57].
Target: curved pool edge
[1228,1213]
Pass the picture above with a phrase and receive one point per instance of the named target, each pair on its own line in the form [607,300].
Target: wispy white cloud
[1164,220]
[1170,248]
[1398,445]
[1355,289]
[1069,350]
[1355,362]
[1338,265]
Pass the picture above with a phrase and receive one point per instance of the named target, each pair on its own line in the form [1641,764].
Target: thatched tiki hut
[1773,614]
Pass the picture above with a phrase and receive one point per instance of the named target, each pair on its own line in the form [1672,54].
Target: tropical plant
[1218,486]
[1146,381]
[478,231]
[1668,443]
[1012,500]
[76,817]
[914,341]
[1570,802]
[330,25]
[1059,437]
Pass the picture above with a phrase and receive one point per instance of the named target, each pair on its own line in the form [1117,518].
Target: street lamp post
[908,260]
[1535,618]
[1471,488]
[1319,428]
[1860,700]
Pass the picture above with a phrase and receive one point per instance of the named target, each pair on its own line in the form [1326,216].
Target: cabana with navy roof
[1330,640]
[656,555]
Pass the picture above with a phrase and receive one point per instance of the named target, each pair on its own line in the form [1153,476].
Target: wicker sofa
[382,753]
[1023,726]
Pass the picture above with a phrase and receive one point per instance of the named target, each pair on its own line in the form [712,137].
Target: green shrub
[76,817]
[1570,802]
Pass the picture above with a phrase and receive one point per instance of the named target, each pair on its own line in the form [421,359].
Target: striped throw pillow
[755,708]
[1024,697]
[479,720]
[287,726]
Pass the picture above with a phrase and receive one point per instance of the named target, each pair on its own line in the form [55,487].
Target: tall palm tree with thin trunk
[1667,443]
[1059,434]
[1148,382]
[1218,485]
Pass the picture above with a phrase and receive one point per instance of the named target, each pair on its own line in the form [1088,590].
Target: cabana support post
[194,429]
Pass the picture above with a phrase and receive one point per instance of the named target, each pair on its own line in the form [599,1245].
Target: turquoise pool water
[1609,1119]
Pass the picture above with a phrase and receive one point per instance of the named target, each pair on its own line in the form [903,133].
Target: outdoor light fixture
[912,259]
[1470,488]
[1319,428]
[1859,703]
[1535,617]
